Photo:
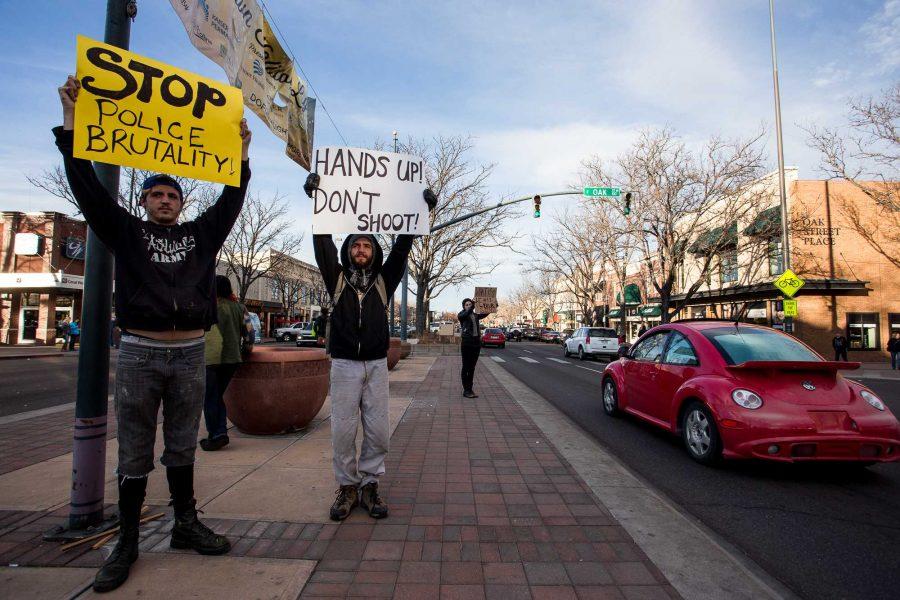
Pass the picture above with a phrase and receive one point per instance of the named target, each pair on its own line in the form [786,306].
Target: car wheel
[581,354]
[566,350]
[610,397]
[700,434]
[283,337]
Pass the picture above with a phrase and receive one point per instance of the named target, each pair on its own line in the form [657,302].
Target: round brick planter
[393,356]
[278,389]
[405,349]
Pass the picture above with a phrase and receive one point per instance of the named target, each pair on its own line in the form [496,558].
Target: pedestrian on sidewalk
[359,283]
[226,341]
[470,344]
[64,333]
[893,347]
[839,343]
[165,301]
[74,334]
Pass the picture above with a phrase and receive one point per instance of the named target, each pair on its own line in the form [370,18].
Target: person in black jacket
[893,347]
[165,301]
[839,343]
[470,343]
[359,283]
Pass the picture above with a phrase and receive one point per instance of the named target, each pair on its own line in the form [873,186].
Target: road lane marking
[528,351]
[497,359]
[589,369]
[527,359]
[559,360]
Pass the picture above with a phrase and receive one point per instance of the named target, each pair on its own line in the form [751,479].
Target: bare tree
[261,241]
[449,256]
[54,182]
[866,153]
[527,299]
[547,288]
[682,198]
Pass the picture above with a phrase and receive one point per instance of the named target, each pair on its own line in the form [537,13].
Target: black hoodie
[165,275]
[359,323]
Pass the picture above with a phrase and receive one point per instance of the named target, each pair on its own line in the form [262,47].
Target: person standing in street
[165,301]
[893,347]
[470,344]
[839,343]
[359,283]
[224,343]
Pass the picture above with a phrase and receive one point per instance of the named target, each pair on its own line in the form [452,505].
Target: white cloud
[882,32]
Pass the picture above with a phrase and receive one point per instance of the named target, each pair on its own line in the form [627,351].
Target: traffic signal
[627,203]
[537,207]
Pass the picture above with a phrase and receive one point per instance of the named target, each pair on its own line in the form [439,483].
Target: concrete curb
[695,560]
[57,354]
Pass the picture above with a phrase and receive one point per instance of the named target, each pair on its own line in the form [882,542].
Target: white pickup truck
[291,332]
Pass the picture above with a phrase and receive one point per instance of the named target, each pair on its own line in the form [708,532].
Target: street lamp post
[404,289]
[785,242]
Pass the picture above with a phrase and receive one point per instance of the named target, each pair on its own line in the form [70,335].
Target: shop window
[776,257]
[893,323]
[728,267]
[862,331]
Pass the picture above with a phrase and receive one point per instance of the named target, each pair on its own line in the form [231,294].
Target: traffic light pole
[89,446]
[500,204]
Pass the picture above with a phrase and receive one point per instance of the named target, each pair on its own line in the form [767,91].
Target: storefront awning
[615,313]
[766,224]
[650,311]
[714,240]
[40,282]
[632,295]
[263,304]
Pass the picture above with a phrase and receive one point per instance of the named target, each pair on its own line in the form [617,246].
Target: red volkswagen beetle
[744,391]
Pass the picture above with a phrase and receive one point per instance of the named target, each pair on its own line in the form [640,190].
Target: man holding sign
[165,301]
[470,340]
[360,286]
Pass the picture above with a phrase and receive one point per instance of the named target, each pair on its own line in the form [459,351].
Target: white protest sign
[366,191]
[485,300]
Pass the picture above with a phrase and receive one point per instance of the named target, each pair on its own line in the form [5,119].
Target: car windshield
[492,330]
[741,344]
[602,333]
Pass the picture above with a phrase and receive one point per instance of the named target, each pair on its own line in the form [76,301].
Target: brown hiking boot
[347,499]
[369,500]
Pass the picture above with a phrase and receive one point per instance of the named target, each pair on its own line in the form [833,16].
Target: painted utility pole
[404,290]
[89,447]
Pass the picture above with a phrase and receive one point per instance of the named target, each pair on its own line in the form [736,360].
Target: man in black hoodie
[470,343]
[165,301]
[360,284]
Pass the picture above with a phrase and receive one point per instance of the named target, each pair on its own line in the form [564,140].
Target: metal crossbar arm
[498,205]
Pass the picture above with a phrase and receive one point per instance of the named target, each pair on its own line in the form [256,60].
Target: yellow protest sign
[790,308]
[788,283]
[142,113]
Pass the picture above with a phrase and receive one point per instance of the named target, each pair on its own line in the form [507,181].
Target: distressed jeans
[359,389]
[148,374]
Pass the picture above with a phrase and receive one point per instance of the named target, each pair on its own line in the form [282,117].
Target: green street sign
[601,192]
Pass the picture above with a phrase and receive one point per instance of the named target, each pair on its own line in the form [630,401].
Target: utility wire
[319,99]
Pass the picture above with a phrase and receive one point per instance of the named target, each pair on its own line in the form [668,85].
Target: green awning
[632,294]
[766,224]
[714,240]
[650,311]
[615,313]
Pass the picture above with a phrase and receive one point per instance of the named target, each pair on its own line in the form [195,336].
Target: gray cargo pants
[359,387]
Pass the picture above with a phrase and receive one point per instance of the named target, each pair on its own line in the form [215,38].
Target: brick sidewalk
[482,506]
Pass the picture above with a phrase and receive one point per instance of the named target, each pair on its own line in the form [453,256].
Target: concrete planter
[278,389]
[405,349]
[393,356]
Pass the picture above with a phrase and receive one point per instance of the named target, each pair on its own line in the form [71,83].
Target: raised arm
[103,214]
[327,260]
[392,270]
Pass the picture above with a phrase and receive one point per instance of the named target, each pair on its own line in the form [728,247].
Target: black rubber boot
[114,571]
[188,531]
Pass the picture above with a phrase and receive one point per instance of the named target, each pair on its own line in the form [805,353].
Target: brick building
[41,275]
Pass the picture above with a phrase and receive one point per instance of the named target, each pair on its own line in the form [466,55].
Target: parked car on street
[531,334]
[305,337]
[565,334]
[549,336]
[493,336]
[746,391]
[515,335]
[589,342]
[291,332]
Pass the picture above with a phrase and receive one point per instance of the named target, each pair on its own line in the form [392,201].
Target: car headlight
[746,399]
[873,400]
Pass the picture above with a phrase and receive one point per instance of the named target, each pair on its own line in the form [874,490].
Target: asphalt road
[823,531]
[30,384]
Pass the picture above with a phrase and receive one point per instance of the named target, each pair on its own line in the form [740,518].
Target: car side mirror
[624,351]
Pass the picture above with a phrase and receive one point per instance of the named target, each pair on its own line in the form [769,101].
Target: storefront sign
[788,283]
[74,248]
[28,244]
[815,232]
[18,281]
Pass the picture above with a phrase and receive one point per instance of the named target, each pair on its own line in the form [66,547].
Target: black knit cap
[162,179]
[467,300]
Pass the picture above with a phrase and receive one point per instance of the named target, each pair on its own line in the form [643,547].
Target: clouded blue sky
[539,86]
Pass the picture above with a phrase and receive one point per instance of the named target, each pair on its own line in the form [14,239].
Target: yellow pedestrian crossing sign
[790,308]
[788,283]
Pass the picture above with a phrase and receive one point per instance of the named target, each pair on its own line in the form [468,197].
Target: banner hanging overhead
[142,113]
[365,191]
[238,38]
